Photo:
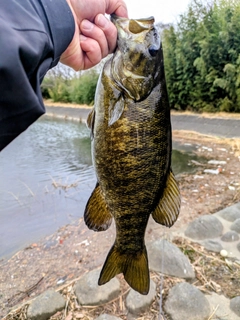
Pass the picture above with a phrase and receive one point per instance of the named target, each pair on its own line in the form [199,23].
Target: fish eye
[153,51]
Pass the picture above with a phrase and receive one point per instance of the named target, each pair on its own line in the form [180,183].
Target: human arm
[34,34]
[32,39]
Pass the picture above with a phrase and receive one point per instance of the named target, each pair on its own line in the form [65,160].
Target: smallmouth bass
[131,149]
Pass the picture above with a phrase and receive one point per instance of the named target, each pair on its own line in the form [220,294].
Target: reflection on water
[182,156]
[46,179]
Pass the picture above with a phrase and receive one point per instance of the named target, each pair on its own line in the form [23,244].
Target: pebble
[167,258]
[205,227]
[220,304]
[224,253]
[137,303]
[236,226]
[230,236]
[185,301]
[238,246]
[46,305]
[89,293]
[212,245]
[231,213]
[235,305]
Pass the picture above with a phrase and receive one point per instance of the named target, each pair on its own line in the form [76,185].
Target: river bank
[225,125]
[74,250]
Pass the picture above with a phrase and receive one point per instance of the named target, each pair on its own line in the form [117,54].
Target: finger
[118,7]
[90,30]
[92,54]
[109,31]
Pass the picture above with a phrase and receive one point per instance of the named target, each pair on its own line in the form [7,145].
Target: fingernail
[101,21]
[87,25]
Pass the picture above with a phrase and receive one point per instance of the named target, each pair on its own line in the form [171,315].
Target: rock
[235,305]
[107,317]
[137,303]
[205,227]
[50,244]
[238,246]
[187,302]
[224,253]
[231,213]
[90,293]
[212,245]
[45,305]
[221,305]
[167,258]
[230,236]
[236,226]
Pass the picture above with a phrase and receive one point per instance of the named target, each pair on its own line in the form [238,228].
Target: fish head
[138,60]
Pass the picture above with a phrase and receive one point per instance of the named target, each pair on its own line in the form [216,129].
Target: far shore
[224,115]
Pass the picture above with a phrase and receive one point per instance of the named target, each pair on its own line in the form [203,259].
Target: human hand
[95,36]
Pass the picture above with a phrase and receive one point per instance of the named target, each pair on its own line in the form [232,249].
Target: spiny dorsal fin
[133,266]
[97,216]
[167,210]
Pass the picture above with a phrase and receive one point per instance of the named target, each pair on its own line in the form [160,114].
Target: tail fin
[133,266]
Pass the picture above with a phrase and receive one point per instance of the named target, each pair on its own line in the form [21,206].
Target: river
[46,179]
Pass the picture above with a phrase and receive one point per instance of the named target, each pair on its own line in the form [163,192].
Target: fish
[131,151]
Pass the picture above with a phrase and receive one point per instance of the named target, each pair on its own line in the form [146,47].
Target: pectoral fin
[97,216]
[167,210]
[90,121]
[116,111]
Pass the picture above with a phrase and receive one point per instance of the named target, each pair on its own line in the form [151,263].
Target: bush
[78,90]
[83,89]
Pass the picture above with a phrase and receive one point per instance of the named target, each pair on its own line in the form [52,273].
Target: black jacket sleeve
[33,35]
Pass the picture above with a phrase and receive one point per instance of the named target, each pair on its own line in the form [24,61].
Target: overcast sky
[163,10]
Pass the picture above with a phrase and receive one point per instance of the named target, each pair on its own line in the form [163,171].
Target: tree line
[202,57]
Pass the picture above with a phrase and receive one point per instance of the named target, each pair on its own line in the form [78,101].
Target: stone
[185,301]
[238,246]
[107,317]
[235,305]
[236,226]
[46,305]
[89,293]
[221,306]
[50,244]
[205,227]
[231,213]
[224,253]
[137,303]
[230,236]
[212,245]
[167,258]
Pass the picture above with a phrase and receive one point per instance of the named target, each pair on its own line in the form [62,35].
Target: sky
[164,11]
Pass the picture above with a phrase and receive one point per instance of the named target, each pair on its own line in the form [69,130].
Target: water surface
[46,179]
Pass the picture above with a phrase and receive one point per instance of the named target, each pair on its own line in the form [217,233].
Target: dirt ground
[73,250]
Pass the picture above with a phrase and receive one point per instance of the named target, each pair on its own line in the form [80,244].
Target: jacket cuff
[61,25]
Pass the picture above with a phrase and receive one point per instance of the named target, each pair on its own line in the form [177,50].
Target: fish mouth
[133,25]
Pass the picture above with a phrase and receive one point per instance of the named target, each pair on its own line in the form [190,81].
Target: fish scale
[131,149]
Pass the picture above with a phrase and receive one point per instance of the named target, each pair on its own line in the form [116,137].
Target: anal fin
[96,215]
[168,208]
